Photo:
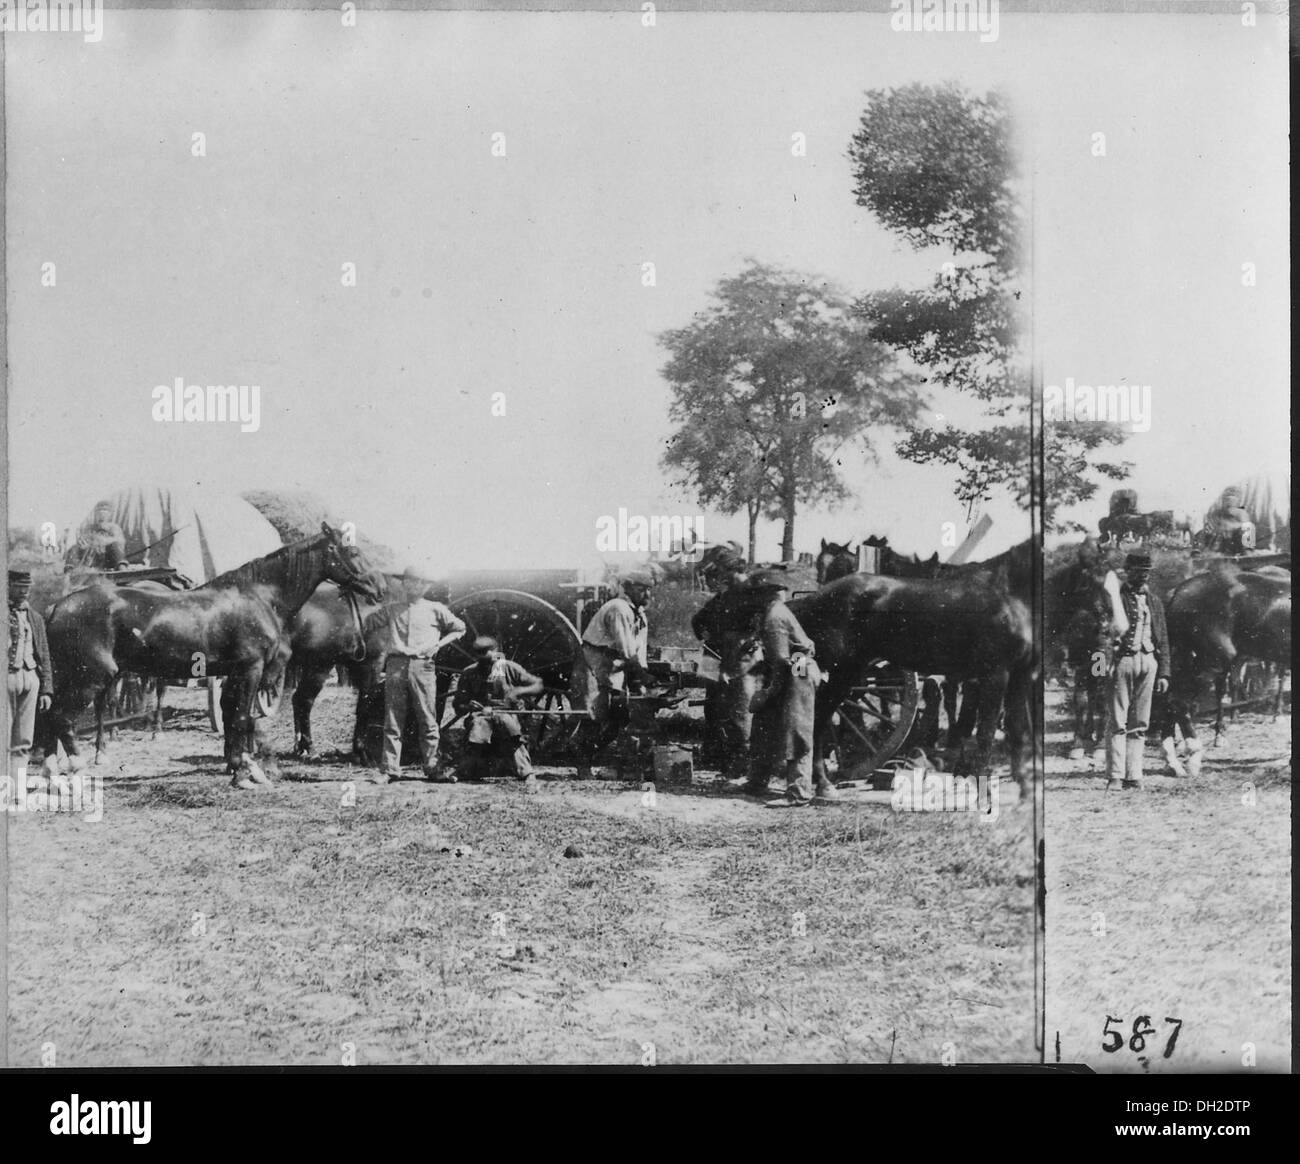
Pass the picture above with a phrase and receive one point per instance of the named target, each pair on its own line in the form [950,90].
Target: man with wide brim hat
[1139,670]
[727,718]
[31,675]
[611,663]
[781,742]
[418,628]
[489,689]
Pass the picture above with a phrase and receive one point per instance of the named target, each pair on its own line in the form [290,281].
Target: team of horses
[309,608]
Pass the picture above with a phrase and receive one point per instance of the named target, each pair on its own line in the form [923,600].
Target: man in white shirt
[612,662]
[418,629]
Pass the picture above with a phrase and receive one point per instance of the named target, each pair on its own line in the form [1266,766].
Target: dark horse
[1220,617]
[234,626]
[965,627]
[836,561]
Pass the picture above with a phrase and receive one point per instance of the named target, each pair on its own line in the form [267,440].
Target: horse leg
[1220,689]
[992,693]
[304,699]
[161,688]
[101,706]
[1081,698]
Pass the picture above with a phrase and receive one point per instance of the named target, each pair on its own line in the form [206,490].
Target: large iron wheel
[873,722]
[532,633]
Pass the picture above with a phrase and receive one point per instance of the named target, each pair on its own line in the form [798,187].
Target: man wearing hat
[31,677]
[782,738]
[418,628]
[612,661]
[488,690]
[1139,670]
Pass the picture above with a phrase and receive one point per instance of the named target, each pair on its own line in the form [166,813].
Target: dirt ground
[327,920]
[1173,903]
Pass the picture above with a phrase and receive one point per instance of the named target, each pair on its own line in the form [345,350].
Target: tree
[770,384]
[936,166]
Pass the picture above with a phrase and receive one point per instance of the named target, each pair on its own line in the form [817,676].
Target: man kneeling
[489,689]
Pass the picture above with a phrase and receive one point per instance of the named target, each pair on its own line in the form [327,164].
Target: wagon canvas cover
[199,533]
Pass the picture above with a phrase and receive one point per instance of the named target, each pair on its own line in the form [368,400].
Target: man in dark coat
[1139,670]
[31,676]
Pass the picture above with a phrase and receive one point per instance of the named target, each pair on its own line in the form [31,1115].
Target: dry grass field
[327,920]
[1172,903]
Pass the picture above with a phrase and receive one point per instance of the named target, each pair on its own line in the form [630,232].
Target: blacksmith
[727,718]
[31,677]
[418,628]
[489,689]
[611,665]
[781,741]
[103,545]
[1139,670]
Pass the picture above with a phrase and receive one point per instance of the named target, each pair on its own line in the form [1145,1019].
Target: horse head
[835,561]
[348,567]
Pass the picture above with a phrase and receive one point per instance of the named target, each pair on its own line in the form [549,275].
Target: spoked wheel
[535,635]
[871,725]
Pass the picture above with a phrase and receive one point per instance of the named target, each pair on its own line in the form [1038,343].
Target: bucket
[673,765]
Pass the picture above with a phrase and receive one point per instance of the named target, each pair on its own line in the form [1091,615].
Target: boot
[1173,766]
[1133,748]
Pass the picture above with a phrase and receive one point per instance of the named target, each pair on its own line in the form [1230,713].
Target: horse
[835,561]
[1225,615]
[962,627]
[236,626]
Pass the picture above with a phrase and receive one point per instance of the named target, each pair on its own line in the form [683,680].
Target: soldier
[488,689]
[418,628]
[1139,670]
[611,664]
[727,717]
[103,545]
[782,736]
[31,676]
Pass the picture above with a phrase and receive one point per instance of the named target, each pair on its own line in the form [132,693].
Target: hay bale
[298,513]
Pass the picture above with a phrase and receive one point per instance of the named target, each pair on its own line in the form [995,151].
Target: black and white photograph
[647,535]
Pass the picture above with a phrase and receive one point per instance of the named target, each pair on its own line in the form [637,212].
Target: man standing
[103,545]
[31,677]
[611,664]
[1139,670]
[784,710]
[488,690]
[418,629]
[727,718]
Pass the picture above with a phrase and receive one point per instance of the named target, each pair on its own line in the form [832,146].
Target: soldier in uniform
[1139,670]
[488,690]
[418,628]
[611,665]
[727,717]
[782,738]
[31,676]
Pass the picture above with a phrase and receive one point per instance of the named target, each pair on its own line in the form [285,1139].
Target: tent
[1267,498]
[200,533]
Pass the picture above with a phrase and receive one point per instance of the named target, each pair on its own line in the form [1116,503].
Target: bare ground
[328,920]
[1172,903]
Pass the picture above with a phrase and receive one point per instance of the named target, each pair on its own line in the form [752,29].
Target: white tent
[199,533]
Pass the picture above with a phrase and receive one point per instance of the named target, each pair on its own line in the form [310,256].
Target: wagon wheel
[534,634]
[873,722]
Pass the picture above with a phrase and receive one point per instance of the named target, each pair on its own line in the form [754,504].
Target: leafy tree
[770,385]
[936,166]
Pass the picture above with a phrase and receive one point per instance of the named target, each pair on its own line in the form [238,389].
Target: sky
[523,275]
